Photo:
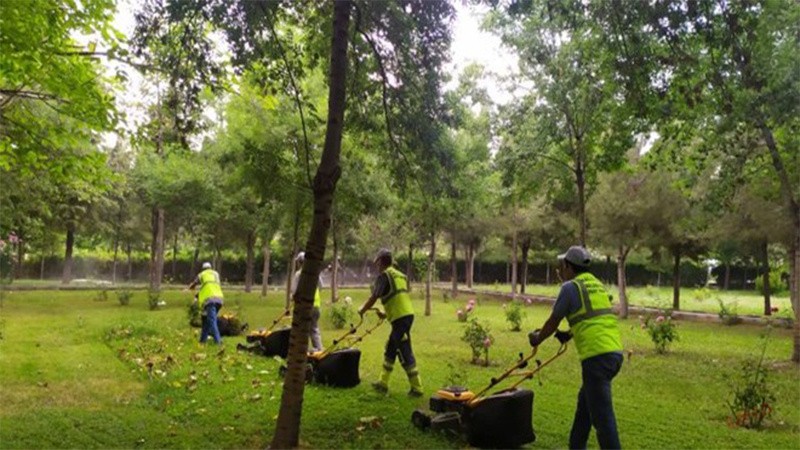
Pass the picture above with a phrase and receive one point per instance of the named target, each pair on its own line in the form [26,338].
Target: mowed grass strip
[81,373]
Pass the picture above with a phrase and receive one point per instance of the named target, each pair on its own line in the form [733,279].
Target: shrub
[702,294]
[662,331]
[193,314]
[728,314]
[514,315]
[462,314]
[341,314]
[752,397]
[154,299]
[101,296]
[477,336]
[776,283]
[124,297]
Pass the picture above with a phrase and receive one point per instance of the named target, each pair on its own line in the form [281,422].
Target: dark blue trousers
[595,408]
[399,343]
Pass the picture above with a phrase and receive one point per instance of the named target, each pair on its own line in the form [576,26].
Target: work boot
[380,387]
[413,393]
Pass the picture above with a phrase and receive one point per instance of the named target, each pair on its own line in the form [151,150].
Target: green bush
[728,313]
[342,314]
[776,285]
[662,331]
[101,296]
[752,397]
[514,315]
[124,297]
[154,299]
[477,336]
[193,314]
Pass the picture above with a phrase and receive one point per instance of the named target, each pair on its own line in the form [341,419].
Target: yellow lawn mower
[269,341]
[338,365]
[499,420]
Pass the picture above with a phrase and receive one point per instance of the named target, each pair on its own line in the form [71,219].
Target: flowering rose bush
[462,314]
[662,331]
[477,336]
[514,315]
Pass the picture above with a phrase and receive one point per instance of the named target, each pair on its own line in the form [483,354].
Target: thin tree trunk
[249,272]
[218,261]
[514,265]
[265,270]
[453,269]
[128,250]
[195,257]
[676,280]
[335,269]
[622,282]
[287,429]
[431,270]
[547,273]
[66,275]
[526,246]
[581,184]
[470,261]
[114,265]
[157,250]
[727,282]
[794,293]
[174,269]
[41,268]
[20,257]
[765,278]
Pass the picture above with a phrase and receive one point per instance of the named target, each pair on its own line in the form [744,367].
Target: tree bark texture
[514,265]
[66,274]
[335,271]
[157,250]
[265,270]
[287,429]
[622,282]
[525,247]
[429,278]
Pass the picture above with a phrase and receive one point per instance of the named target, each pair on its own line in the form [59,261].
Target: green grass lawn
[692,299]
[74,374]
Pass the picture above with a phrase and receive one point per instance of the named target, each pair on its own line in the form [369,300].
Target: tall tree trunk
[195,257]
[470,263]
[114,265]
[453,268]
[794,293]
[249,272]
[287,429]
[128,251]
[580,182]
[431,270]
[66,275]
[20,257]
[765,278]
[174,269]
[676,279]
[547,273]
[335,269]
[265,270]
[622,282]
[514,265]
[218,261]
[157,250]
[727,282]
[410,263]
[526,247]
[41,267]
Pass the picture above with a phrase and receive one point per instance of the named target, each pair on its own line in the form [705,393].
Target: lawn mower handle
[353,329]
[280,318]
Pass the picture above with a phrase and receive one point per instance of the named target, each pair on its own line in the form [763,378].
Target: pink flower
[487,342]
[470,307]
[528,301]
[660,319]
[471,302]
[12,238]
[459,313]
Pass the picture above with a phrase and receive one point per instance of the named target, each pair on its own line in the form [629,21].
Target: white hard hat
[206,265]
[300,257]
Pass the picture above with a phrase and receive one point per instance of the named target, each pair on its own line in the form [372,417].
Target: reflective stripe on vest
[594,325]
[397,302]
[209,286]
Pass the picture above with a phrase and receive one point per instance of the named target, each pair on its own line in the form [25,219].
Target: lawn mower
[500,420]
[227,323]
[268,341]
[338,364]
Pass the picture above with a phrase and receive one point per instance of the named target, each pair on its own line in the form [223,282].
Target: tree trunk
[265,270]
[335,271]
[431,270]
[470,261]
[622,282]
[676,280]
[547,273]
[453,269]
[174,270]
[580,182]
[251,261]
[128,250]
[727,281]
[794,292]
[218,261]
[514,265]
[114,265]
[157,250]
[526,247]
[41,268]
[195,257]
[66,275]
[765,278]
[20,257]
[287,429]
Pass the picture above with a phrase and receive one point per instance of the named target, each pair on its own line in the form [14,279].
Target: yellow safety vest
[209,286]
[397,302]
[594,326]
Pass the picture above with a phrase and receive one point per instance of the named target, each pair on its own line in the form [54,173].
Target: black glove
[533,338]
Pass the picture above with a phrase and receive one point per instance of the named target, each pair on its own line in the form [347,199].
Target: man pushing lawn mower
[210,302]
[391,286]
[586,305]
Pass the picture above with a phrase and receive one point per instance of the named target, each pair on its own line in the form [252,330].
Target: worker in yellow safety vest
[585,303]
[391,286]
[210,300]
[316,335]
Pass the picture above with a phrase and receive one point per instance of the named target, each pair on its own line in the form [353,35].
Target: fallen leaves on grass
[369,422]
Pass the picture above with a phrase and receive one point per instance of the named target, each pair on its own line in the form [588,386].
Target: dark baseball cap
[576,255]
